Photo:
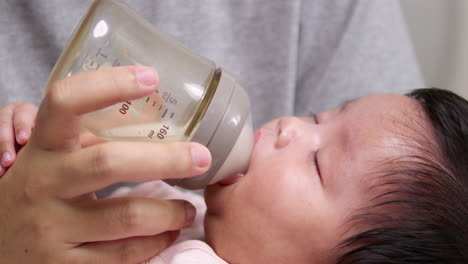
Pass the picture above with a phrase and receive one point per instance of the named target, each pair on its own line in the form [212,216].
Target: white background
[439,31]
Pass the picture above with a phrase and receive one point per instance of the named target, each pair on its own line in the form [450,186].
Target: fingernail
[22,136]
[147,77]
[200,156]
[6,159]
[190,213]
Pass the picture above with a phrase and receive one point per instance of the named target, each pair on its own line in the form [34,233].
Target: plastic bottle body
[195,100]
[112,35]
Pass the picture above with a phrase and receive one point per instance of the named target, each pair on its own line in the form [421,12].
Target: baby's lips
[231,179]
[257,135]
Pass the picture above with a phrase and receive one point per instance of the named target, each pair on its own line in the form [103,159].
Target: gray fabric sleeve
[370,52]
[293,56]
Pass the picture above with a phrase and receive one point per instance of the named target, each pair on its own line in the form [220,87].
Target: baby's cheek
[269,197]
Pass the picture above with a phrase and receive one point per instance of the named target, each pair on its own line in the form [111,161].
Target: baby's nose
[287,131]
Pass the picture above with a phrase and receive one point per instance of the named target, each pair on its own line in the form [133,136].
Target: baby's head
[380,179]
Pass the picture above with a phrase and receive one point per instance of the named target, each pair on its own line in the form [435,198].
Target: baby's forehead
[382,121]
[387,132]
[407,150]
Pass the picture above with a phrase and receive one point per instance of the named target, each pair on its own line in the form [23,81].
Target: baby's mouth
[257,136]
[231,179]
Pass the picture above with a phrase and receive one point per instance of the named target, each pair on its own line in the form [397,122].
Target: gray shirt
[294,57]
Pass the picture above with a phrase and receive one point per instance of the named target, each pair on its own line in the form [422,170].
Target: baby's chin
[215,216]
[221,200]
[219,227]
[218,195]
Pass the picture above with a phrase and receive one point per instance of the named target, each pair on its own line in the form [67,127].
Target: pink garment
[185,250]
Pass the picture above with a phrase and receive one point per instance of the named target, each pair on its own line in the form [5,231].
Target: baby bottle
[195,101]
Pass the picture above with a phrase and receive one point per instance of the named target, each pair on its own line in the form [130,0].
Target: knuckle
[48,257]
[4,123]
[132,215]
[123,79]
[175,212]
[6,141]
[8,107]
[115,81]
[41,227]
[101,162]
[132,79]
[69,259]
[126,251]
[29,106]
[58,94]
[34,188]
[52,257]
[29,193]
[27,109]
[189,165]
[6,117]
[180,158]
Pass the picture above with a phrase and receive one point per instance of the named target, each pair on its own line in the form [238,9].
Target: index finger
[58,125]
[101,165]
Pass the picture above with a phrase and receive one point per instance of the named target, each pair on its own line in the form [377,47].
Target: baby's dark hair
[422,214]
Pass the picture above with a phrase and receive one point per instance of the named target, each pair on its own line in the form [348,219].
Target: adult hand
[46,212]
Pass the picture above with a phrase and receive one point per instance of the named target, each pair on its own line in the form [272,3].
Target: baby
[380,179]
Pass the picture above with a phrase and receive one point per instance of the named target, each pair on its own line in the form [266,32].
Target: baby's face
[305,178]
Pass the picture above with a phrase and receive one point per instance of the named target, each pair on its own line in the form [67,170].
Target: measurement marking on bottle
[154,103]
[147,99]
[84,59]
[166,96]
[116,63]
[164,114]
[160,108]
[99,52]
[172,115]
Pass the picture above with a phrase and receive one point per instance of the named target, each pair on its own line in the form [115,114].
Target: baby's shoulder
[187,252]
